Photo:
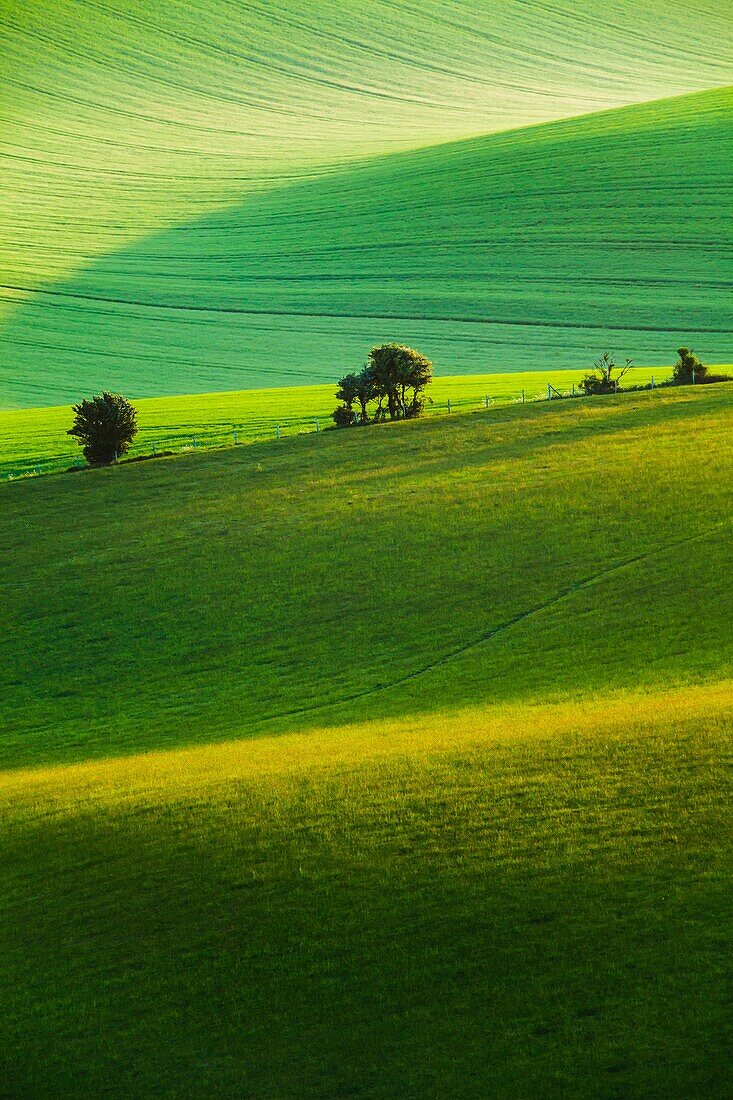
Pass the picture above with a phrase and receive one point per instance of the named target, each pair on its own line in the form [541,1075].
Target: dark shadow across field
[553,914]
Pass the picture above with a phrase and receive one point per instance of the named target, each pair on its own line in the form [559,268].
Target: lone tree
[688,368]
[603,379]
[104,427]
[395,377]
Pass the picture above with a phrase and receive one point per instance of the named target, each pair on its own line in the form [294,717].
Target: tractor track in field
[508,624]
[246,311]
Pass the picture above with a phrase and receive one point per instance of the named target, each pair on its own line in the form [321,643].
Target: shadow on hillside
[365,928]
[394,573]
[442,249]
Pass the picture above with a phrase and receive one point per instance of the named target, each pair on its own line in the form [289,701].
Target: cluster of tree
[105,427]
[392,384]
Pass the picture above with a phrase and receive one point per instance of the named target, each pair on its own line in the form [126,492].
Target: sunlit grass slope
[509,902]
[440,805]
[35,440]
[119,117]
[537,552]
[537,248]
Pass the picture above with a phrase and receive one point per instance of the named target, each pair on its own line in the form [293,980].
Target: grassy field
[504,903]
[35,440]
[118,120]
[525,554]
[441,249]
[170,220]
[384,763]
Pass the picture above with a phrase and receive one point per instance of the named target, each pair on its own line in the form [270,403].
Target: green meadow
[35,441]
[531,903]
[383,762]
[194,202]
[532,249]
[391,762]
[121,119]
[365,572]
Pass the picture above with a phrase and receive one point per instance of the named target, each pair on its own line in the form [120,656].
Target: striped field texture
[170,220]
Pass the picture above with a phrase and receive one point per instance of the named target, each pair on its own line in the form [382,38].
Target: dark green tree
[605,376]
[343,416]
[416,377]
[104,426]
[346,393]
[400,376]
[347,389]
[365,392]
[393,382]
[688,368]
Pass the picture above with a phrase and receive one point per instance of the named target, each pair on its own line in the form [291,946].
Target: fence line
[180,442]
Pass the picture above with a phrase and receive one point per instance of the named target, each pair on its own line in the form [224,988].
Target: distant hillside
[119,117]
[534,249]
[120,122]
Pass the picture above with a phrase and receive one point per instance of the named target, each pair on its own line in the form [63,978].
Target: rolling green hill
[499,904]
[170,221]
[365,574]
[34,441]
[535,248]
[389,762]
[117,119]
[438,803]
[532,249]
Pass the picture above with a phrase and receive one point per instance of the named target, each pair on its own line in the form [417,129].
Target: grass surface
[387,763]
[382,573]
[439,804]
[535,248]
[499,903]
[35,440]
[196,201]
[118,118]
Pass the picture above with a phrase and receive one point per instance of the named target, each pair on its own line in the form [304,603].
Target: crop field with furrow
[195,206]
[366,710]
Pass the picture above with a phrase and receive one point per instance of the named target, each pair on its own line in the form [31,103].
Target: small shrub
[603,379]
[104,426]
[344,416]
[689,371]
